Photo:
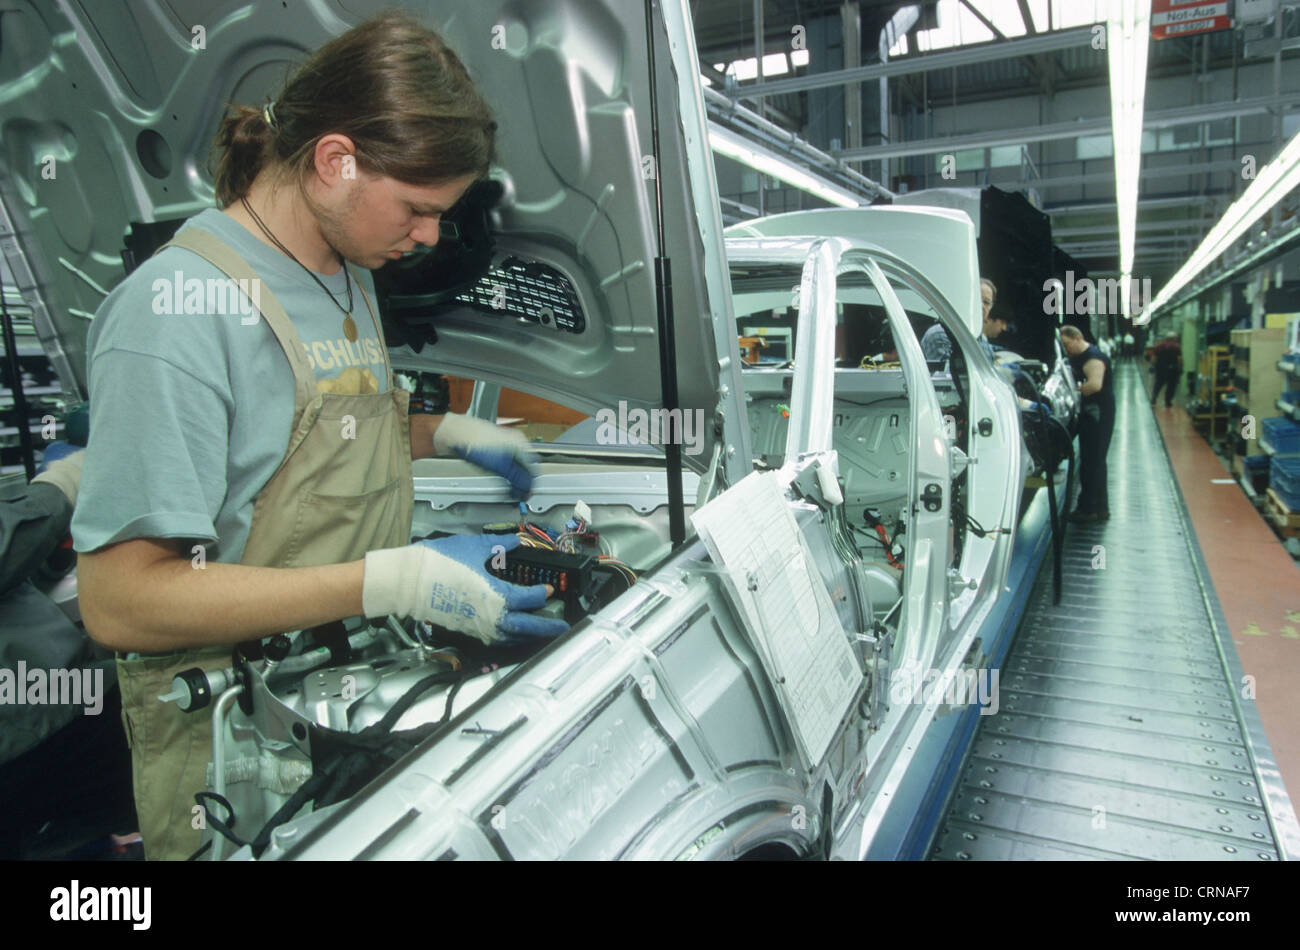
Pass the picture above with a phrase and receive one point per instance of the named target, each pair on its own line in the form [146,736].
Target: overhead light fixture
[1128,33]
[1273,182]
[733,146]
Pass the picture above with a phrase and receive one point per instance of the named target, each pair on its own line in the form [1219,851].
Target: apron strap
[223,257]
[379,330]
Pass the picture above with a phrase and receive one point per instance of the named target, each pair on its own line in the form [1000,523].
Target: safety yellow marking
[1252,629]
[1293,616]
[1291,633]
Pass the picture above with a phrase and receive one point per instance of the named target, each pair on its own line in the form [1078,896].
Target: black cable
[854,402]
[367,745]
[870,534]
[399,708]
[306,792]
[218,824]
[451,698]
[203,849]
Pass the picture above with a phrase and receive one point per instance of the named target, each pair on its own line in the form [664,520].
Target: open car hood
[122,101]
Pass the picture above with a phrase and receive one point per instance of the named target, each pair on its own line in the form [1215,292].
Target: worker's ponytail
[242,147]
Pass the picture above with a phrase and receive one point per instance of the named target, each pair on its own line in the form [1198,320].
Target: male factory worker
[1168,365]
[1096,423]
[936,344]
[250,476]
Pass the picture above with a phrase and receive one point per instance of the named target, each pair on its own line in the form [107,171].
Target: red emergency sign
[1170,18]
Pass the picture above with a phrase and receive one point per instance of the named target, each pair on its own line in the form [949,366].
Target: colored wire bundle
[608,560]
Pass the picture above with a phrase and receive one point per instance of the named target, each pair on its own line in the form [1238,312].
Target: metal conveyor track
[1119,736]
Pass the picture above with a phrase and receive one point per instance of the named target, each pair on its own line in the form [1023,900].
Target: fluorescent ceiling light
[728,143]
[1128,33]
[1274,181]
[774,64]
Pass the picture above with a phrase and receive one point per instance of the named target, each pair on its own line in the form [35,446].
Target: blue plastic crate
[1280,433]
[1278,425]
[1284,478]
[1257,462]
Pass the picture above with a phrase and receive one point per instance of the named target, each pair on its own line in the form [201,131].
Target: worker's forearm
[171,604]
[422,429]
[1087,388]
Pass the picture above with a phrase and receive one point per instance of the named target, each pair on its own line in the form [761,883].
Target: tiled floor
[1257,582]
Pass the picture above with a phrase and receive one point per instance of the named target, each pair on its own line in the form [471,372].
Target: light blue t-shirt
[192,397]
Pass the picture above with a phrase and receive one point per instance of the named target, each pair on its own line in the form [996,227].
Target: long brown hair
[389,84]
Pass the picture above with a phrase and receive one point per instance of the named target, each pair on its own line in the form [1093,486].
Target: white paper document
[751,534]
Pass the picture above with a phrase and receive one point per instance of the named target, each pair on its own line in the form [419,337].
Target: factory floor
[1257,582]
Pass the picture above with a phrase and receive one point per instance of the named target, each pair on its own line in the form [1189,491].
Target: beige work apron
[343,488]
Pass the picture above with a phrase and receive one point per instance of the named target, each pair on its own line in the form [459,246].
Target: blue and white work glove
[502,451]
[446,582]
[61,467]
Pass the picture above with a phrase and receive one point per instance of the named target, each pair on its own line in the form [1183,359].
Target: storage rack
[1288,401]
[1213,380]
[1255,355]
[1256,387]
[40,383]
[1280,497]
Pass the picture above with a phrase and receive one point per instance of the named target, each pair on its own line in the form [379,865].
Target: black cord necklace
[349,325]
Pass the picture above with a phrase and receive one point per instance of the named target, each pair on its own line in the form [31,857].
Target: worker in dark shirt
[1096,423]
[1168,365]
[65,769]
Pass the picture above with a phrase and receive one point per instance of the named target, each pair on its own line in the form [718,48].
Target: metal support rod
[664,308]
[219,711]
[758,56]
[1277,74]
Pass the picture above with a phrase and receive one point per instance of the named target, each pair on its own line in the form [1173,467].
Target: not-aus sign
[1170,18]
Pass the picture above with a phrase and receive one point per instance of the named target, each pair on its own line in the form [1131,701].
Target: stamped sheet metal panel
[108,111]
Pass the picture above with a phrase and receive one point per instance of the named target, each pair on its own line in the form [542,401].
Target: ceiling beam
[902,66]
[1169,201]
[988,24]
[1025,15]
[1101,125]
[1148,171]
[1147,226]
